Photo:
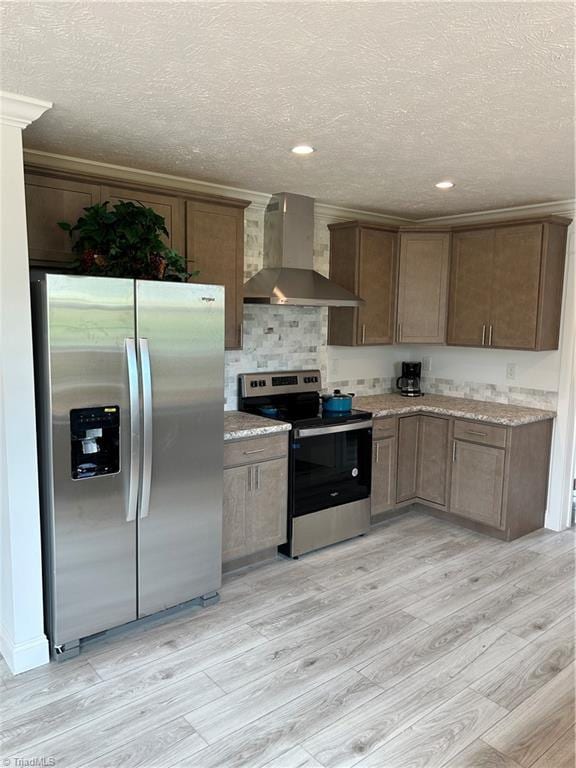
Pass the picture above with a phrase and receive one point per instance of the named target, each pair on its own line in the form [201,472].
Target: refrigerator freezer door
[82,325]
[180,328]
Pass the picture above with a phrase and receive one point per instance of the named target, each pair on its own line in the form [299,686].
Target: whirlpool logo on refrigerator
[208,299]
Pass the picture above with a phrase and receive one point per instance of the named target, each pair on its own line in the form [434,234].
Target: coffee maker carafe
[409,382]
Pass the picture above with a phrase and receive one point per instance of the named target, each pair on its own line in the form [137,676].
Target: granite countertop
[460,407]
[238,425]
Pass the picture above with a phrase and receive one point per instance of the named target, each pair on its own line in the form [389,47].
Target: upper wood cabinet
[48,201]
[208,231]
[506,285]
[215,246]
[363,259]
[422,287]
[169,207]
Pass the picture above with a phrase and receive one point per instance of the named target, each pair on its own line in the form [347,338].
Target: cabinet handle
[249,478]
[377,453]
[257,478]
[476,432]
[483,335]
[490,337]
[363,334]
[399,331]
[240,334]
[453,451]
[256,450]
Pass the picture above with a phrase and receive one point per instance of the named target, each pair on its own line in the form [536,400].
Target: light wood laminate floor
[421,645]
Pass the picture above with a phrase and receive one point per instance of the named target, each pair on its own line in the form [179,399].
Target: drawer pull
[490,337]
[483,335]
[363,334]
[477,432]
[453,451]
[257,450]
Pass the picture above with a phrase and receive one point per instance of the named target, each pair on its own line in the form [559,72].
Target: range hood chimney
[288,276]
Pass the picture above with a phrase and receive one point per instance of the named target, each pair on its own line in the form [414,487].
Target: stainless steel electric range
[330,458]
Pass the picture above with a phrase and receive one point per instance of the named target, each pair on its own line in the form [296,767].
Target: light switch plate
[426,364]
[511,371]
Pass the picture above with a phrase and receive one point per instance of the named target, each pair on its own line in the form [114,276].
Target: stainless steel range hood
[288,276]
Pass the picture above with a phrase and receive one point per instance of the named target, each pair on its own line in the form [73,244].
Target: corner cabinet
[255,497]
[506,285]
[208,231]
[491,478]
[363,259]
[422,287]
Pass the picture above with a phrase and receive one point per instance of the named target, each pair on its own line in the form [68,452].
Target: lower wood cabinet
[255,500]
[488,477]
[407,457]
[384,452]
[477,482]
[432,466]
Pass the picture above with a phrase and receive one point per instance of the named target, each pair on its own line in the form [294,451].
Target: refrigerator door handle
[146,379]
[134,481]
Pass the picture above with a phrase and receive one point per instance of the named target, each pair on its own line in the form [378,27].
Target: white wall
[537,370]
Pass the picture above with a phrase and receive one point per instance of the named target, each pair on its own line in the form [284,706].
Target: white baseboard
[21,657]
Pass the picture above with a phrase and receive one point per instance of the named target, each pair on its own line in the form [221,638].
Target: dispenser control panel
[95,441]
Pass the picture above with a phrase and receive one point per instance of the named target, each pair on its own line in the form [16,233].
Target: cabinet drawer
[478,432]
[255,450]
[383,428]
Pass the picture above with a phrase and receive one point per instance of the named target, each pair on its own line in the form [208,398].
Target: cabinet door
[515,286]
[377,286]
[234,524]
[215,246]
[49,201]
[267,505]
[432,459]
[423,287]
[470,288]
[170,208]
[383,493]
[477,482]
[407,457]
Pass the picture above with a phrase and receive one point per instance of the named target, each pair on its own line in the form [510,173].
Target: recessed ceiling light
[303,149]
[444,185]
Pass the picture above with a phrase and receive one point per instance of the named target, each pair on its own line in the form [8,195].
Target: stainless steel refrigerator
[130,393]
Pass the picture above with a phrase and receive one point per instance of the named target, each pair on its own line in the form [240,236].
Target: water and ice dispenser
[95,441]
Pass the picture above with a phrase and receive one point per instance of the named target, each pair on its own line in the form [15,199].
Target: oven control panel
[279,382]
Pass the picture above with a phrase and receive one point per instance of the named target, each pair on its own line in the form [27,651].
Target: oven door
[330,466]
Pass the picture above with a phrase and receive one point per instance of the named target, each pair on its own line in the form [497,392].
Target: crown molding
[323,212]
[19,111]
[559,208]
[258,200]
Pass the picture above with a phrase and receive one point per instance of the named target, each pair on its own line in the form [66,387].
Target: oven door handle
[350,427]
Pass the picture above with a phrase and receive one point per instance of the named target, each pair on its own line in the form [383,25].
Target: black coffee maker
[409,382]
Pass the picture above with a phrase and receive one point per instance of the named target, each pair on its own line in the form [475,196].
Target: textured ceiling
[395,96]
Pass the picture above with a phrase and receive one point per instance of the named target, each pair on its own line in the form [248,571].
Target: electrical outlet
[426,364]
[511,371]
